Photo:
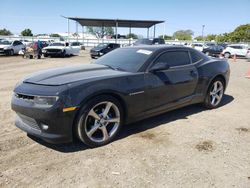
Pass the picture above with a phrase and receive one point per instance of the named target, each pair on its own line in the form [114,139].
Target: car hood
[54,47]
[66,75]
[97,48]
[4,45]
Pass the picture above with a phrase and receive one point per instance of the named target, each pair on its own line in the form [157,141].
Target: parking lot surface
[189,147]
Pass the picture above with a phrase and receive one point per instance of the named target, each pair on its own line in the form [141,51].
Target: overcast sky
[218,16]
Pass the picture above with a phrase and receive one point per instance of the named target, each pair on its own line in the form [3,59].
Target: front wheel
[63,54]
[215,93]
[227,55]
[99,121]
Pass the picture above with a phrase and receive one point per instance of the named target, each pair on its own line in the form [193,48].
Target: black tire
[209,97]
[227,55]
[83,117]
[11,52]
[63,54]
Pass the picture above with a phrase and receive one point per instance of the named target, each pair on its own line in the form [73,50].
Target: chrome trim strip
[136,93]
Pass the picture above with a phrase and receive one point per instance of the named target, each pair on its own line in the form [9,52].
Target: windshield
[5,42]
[56,44]
[126,59]
[102,45]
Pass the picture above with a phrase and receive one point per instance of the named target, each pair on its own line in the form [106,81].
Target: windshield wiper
[115,68]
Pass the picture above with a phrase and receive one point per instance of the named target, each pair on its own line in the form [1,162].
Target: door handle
[193,73]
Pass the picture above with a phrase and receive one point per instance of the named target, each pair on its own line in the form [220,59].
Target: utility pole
[203,26]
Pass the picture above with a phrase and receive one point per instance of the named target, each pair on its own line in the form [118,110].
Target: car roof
[158,47]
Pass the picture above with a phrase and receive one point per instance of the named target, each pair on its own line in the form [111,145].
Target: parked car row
[8,47]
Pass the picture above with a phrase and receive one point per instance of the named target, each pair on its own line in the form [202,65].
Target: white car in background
[10,47]
[235,49]
[26,42]
[248,54]
[197,46]
[62,49]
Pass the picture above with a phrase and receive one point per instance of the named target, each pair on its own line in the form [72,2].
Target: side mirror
[159,67]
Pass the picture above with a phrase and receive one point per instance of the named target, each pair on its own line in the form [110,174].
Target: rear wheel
[215,93]
[99,121]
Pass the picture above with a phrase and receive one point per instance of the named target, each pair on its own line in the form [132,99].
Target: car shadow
[137,127]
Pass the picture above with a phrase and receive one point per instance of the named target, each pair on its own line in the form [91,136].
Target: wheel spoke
[213,100]
[107,108]
[215,87]
[93,129]
[94,114]
[217,97]
[113,120]
[219,89]
[105,133]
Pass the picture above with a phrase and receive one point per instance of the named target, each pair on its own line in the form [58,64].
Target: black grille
[54,50]
[1,49]
[30,122]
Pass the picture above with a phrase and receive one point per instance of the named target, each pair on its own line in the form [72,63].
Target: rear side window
[195,56]
[174,58]
[236,47]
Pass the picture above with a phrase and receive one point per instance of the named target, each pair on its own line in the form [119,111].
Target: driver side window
[174,58]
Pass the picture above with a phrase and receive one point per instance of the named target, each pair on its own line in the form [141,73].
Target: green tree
[166,37]
[210,37]
[5,32]
[132,35]
[199,38]
[55,35]
[26,32]
[100,32]
[241,34]
[225,37]
[183,34]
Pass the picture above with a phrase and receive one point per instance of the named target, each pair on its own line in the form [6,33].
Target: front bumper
[34,120]
[4,51]
[56,53]
[95,54]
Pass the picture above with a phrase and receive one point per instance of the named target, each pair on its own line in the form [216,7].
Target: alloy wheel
[216,93]
[102,121]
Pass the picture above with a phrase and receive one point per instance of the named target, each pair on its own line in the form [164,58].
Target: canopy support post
[68,29]
[76,31]
[116,35]
[129,34]
[154,31]
[83,35]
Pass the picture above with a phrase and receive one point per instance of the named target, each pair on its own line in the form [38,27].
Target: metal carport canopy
[115,22]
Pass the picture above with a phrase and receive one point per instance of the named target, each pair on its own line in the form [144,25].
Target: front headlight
[45,101]
[6,48]
[44,51]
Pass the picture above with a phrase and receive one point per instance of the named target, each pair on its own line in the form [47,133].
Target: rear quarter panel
[209,70]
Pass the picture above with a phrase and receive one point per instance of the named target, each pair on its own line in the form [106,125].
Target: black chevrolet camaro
[92,102]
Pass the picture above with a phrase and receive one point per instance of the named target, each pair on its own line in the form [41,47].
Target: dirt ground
[189,147]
